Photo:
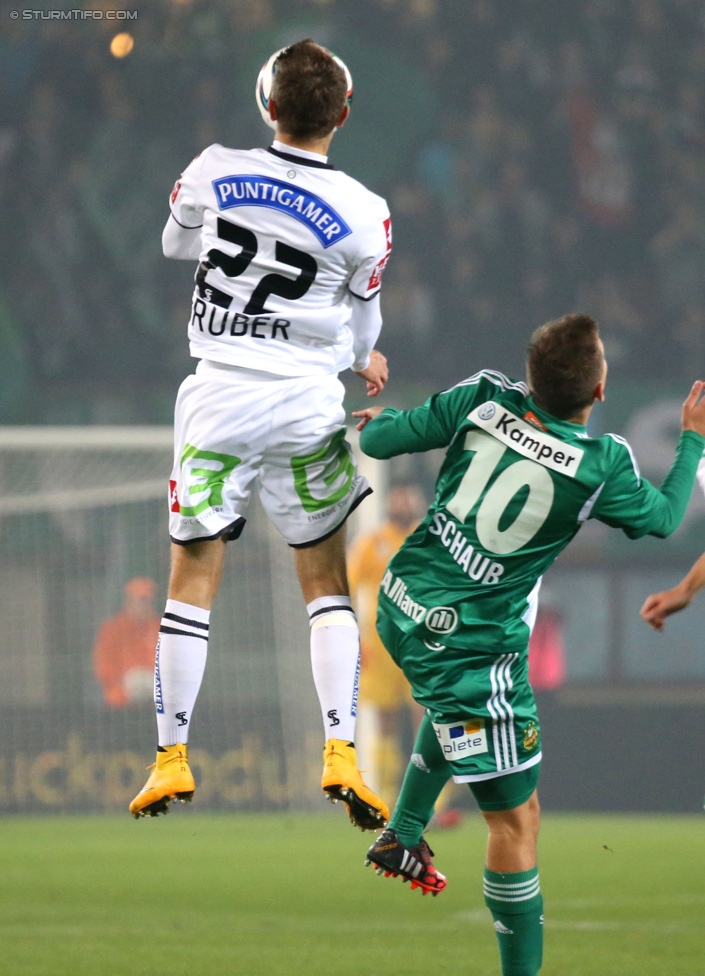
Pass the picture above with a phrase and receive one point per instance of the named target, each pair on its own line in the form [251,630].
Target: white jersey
[286,239]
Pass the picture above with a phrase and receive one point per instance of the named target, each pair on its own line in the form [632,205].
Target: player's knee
[529,819]
[195,573]
[533,815]
[520,825]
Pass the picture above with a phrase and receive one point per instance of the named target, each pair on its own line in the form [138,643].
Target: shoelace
[424,852]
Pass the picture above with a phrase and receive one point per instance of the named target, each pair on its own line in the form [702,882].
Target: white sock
[178,671]
[335,660]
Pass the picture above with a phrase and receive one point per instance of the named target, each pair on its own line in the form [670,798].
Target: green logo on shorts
[212,482]
[324,468]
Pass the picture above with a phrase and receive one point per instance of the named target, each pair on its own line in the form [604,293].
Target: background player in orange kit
[123,653]
[385,694]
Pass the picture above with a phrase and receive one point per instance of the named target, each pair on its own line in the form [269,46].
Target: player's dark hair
[309,90]
[565,364]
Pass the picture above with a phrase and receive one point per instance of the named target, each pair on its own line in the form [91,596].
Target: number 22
[270,284]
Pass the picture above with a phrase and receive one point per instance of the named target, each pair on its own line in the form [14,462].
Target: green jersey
[515,487]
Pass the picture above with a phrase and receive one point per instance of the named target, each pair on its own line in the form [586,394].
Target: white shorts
[234,428]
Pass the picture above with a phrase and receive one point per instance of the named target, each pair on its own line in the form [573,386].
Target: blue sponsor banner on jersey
[261,191]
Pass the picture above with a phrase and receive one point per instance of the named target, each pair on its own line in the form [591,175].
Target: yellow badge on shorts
[531,736]
[474,726]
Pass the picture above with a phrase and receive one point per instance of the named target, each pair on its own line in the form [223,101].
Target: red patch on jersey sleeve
[376,277]
[173,498]
[388,233]
[175,191]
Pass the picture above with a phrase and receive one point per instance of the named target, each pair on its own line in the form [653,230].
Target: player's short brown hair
[565,364]
[309,90]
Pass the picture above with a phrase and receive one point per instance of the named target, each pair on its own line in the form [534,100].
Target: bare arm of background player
[658,606]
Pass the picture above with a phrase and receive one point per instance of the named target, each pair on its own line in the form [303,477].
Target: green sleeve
[631,503]
[423,428]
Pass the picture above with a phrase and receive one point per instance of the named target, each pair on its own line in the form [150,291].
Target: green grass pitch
[194,894]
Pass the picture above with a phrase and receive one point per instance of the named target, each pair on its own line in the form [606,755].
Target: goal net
[82,516]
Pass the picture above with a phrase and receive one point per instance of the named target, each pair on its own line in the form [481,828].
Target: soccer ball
[265,79]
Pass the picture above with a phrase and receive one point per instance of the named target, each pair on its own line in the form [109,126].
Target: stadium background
[538,157]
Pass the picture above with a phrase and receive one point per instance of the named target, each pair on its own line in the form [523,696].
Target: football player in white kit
[291,253]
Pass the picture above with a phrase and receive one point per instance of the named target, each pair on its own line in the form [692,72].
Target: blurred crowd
[538,157]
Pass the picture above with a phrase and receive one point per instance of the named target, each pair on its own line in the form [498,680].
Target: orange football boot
[342,781]
[170,779]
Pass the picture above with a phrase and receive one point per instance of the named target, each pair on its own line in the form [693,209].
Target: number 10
[487,453]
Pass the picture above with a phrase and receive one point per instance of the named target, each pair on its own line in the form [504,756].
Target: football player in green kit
[456,606]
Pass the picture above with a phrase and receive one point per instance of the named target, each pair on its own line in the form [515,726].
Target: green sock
[517,909]
[426,775]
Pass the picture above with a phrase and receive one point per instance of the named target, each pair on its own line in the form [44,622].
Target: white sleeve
[366,279]
[185,199]
[365,323]
[180,242]
[182,234]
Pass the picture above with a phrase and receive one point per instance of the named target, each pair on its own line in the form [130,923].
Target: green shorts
[506,792]
[482,709]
